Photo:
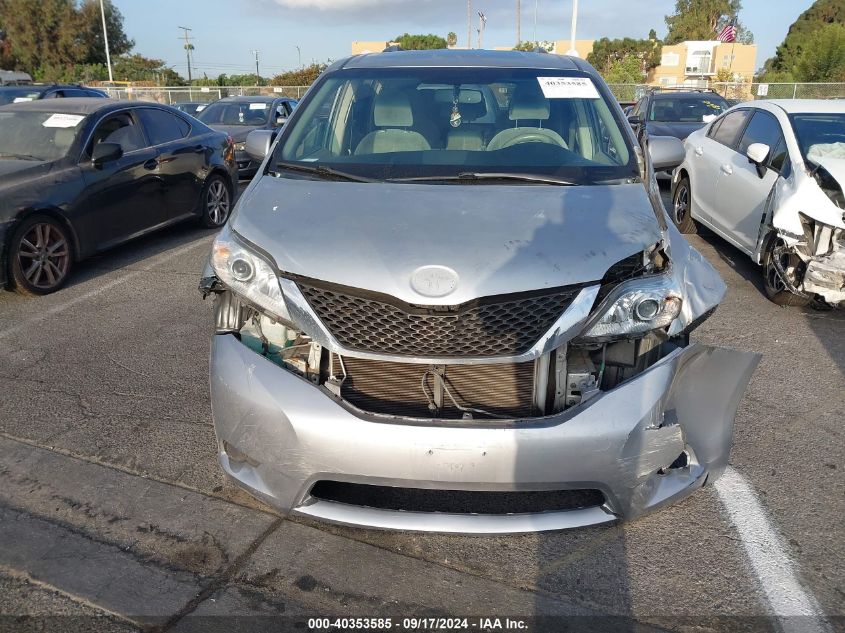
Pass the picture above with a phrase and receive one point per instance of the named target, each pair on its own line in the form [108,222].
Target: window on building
[670,59]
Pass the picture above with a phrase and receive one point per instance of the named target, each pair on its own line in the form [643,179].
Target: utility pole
[257,74]
[106,40]
[188,48]
[518,22]
[535,22]
[299,56]
[469,23]
[482,22]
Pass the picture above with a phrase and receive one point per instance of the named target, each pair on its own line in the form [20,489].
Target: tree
[823,56]
[607,55]
[703,19]
[90,31]
[801,33]
[452,39]
[300,77]
[420,42]
[139,68]
[627,70]
[532,46]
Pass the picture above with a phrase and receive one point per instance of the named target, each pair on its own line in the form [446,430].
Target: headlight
[248,274]
[635,307]
[240,147]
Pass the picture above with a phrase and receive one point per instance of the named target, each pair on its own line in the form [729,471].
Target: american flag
[728,33]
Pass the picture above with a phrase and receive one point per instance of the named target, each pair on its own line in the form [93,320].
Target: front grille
[456,501]
[504,325]
[396,388]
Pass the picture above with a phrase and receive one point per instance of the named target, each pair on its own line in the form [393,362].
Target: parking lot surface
[114,513]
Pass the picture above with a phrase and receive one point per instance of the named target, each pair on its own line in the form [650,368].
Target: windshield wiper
[468,176]
[325,172]
[20,157]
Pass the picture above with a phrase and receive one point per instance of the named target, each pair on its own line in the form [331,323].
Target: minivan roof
[466,58]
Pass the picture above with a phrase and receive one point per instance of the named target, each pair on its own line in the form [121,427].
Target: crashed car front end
[567,406]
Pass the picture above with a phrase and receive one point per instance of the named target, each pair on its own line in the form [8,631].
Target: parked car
[191,107]
[425,322]
[768,177]
[78,176]
[238,116]
[31,92]
[675,113]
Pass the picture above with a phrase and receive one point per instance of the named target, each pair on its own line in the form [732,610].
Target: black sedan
[78,176]
[31,92]
[238,116]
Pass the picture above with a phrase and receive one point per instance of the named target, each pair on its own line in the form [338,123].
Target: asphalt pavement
[114,514]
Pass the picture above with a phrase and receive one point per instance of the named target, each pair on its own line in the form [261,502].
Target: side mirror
[758,153]
[106,152]
[258,143]
[281,120]
[667,152]
[635,119]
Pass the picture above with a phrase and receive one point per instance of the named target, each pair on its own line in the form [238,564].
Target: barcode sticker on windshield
[63,120]
[257,106]
[568,88]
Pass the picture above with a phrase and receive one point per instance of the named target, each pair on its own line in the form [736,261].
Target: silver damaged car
[450,300]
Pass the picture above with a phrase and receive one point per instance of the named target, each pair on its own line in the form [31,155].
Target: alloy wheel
[44,256]
[217,202]
[681,206]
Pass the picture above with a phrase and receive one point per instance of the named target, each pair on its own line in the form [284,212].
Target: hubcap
[217,202]
[44,256]
[681,205]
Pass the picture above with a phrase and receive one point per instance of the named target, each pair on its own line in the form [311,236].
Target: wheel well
[23,215]
[219,171]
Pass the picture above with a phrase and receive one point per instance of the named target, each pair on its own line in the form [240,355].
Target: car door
[710,152]
[122,197]
[181,160]
[742,190]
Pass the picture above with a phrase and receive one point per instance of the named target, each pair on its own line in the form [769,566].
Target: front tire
[682,208]
[773,282]
[40,255]
[215,202]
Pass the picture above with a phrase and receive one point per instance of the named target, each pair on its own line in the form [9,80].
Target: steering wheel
[518,136]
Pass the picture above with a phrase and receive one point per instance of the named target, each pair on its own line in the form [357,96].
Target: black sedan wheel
[681,209]
[40,256]
[216,202]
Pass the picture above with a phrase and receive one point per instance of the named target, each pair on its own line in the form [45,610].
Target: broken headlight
[248,274]
[634,308]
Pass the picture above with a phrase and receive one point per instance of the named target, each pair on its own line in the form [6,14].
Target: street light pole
[469,23]
[106,40]
[572,50]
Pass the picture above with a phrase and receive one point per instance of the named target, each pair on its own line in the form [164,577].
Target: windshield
[687,109]
[442,122]
[820,135]
[253,113]
[15,94]
[37,135]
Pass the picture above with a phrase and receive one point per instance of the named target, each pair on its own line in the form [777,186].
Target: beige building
[359,47]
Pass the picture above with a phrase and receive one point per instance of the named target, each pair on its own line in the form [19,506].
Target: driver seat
[527,104]
[392,113]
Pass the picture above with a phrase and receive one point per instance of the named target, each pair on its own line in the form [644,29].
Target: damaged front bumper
[647,442]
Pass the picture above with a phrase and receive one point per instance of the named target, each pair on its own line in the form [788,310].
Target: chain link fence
[742,91]
[182,94]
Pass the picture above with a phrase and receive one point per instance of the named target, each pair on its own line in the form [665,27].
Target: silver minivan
[450,300]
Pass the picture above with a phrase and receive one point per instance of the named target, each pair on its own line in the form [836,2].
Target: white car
[768,177]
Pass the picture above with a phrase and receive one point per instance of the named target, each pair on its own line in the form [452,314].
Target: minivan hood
[498,239]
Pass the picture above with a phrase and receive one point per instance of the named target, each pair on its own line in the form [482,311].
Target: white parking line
[61,307]
[769,557]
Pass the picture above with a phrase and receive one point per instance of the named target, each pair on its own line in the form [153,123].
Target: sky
[225,32]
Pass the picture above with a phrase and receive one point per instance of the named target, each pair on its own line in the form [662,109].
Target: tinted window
[163,127]
[244,113]
[10,94]
[73,92]
[731,127]
[686,109]
[779,157]
[121,129]
[37,135]
[763,128]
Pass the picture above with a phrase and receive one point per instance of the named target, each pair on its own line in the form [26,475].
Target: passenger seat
[393,115]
